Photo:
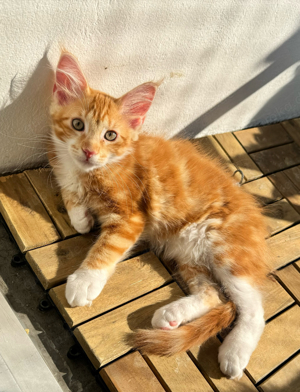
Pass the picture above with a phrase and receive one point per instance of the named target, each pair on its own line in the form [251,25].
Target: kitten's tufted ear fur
[136,103]
[69,79]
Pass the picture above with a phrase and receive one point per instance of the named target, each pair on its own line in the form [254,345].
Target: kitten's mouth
[86,164]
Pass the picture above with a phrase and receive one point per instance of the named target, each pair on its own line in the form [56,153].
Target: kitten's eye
[78,124]
[110,135]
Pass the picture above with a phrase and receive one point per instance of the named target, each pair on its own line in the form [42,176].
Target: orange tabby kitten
[145,187]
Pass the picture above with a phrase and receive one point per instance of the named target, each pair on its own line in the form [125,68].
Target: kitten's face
[91,128]
[91,131]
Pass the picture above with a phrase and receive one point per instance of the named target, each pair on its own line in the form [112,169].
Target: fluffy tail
[167,343]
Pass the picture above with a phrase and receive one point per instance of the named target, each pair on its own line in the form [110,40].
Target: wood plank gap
[277,158]
[116,307]
[239,156]
[22,210]
[280,312]
[130,373]
[207,378]
[262,137]
[277,369]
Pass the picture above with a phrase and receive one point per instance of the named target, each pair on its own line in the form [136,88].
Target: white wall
[228,64]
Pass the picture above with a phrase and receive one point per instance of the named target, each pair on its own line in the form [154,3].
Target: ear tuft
[136,103]
[69,79]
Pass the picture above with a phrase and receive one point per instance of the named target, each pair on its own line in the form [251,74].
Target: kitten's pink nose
[88,153]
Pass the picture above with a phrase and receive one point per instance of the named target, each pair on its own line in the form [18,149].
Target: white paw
[81,219]
[233,360]
[84,285]
[179,312]
[170,316]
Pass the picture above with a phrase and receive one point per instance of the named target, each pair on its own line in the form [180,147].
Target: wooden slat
[48,191]
[239,156]
[280,340]
[131,279]
[277,158]
[280,215]
[287,188]
[293,128]
[294,175]
[24,213]
[287,379]
[25,364]
[275,299]
[106,338]
[263,190]
[289,277]
[211,146]
[256,139]
[130,374]
[206,357]
[178,373]
[54,263]
[285,247]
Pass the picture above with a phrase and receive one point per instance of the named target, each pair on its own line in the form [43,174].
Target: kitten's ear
[69,80]
[136,103]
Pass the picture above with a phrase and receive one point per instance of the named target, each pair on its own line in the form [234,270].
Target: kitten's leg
[118,235]
[235,352]
[80,217]
[204,296]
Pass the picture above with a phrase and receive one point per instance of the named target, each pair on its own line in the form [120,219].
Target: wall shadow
[281,59]
[33,112]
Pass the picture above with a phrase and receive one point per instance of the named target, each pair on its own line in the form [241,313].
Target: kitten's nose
[88,153]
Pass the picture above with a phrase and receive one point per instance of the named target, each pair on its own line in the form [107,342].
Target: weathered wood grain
[178,373]
[285,247]
[260,138]
[280,340]
[206,357]
[44,183]
[294,175]
[106,337]
[239,156]
[289,277]
[131,279]
[275,298]
[280,215]
[277,158]
[24,213]
[210,146]
[130,374]
[293,129]
[263,190]
[54,263]
[287,379]
[287,188]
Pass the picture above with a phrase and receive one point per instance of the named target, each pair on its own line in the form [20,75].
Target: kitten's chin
[86,166]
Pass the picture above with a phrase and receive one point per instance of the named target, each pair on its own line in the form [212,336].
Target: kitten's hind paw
[84,285]
[233,361]
[168,317]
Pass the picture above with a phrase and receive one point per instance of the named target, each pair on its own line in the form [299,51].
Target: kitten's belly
[193,244]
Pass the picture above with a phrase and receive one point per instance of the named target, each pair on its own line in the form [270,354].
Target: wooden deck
[269,158]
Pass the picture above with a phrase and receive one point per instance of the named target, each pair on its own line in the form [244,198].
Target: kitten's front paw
[81,219]
[233,360]
[84,285]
